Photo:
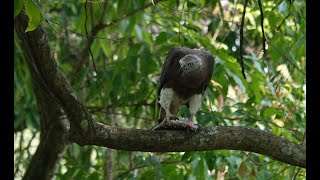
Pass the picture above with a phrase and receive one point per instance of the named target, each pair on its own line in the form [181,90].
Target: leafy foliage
[129,41]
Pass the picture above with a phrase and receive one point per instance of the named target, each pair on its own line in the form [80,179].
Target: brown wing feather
[170,65]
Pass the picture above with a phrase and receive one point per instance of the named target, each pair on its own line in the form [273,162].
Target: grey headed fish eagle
[185,76]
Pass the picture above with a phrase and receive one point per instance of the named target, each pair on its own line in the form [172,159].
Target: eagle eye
[190,64]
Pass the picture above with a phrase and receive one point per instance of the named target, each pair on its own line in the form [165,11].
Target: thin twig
[51,26]
[200,9]
[98,27]
[20,154]
[162,15]
[241,38]
[275,6]
[91,15]
[255,162]
[29,144]
[91,54]
[180,28]
[174,9]
[232,119]
[302,141]
[121,114]
[44,14]
[278,28]
[115,21]
[143,166]
[24,149]
[304,137]
[292,175]
[185,19]
[131,169]
[229,29]
[286,58]
[287,166]
[217,31]
[101,25]
[296,173]
[79,34]
[94,31]
[262,28]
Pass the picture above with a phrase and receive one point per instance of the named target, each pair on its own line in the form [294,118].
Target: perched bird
[185,76]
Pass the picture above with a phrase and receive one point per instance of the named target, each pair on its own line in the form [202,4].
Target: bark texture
[85,131]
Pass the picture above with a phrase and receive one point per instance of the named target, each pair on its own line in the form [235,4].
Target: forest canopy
[86,75]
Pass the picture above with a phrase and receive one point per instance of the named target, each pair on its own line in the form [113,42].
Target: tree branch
[209,138]
[54,130]
[282,22]
[262,29]
[241,37]
[89,47]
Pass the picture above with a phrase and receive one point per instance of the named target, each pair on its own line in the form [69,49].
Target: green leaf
[186,156]
[172,172]
[273,19]
[69,174]
[237,79]
[134,50]
[95,176]
[300,43]
[269,112]
[161,38]
[149,174]
[225,57]
[18,4]
[18,121]
[199,167]
[33,14]
[105,48]
[148,64]
[283,7]
[138,31]
[255,88]
[158,170]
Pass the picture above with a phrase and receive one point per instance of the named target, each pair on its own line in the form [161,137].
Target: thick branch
[210,138]
[49,75]
[54,133]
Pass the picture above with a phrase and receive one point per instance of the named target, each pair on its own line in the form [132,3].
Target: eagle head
[189,64]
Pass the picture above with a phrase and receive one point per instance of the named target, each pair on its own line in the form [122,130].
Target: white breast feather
[195,103]
[166,96]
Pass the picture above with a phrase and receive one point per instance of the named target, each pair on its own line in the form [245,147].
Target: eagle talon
[171,117]
[191,126]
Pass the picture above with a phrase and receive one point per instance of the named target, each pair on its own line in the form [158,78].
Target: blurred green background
[131,41]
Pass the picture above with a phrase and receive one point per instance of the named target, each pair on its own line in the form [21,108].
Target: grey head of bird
[189,65]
